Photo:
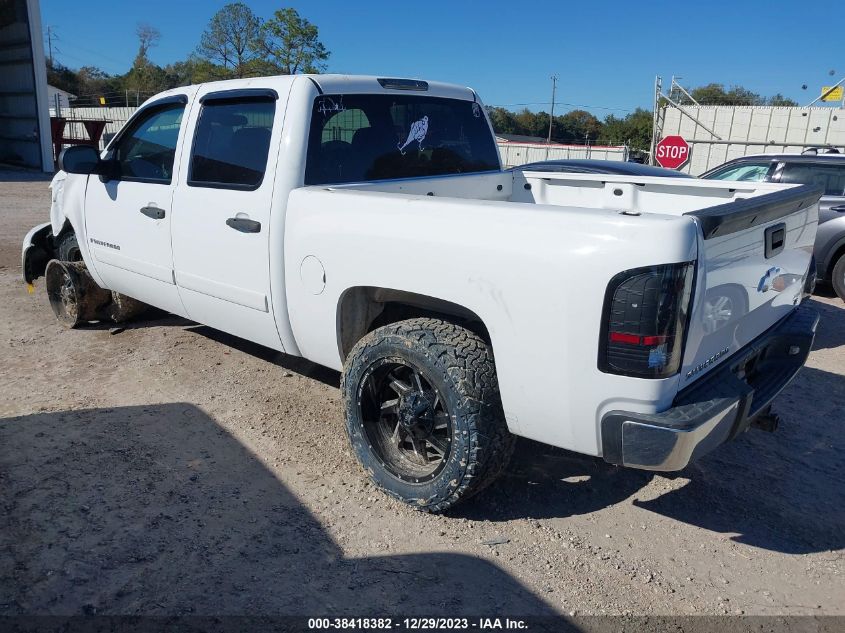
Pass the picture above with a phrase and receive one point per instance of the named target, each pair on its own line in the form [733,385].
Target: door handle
[153,212]
[244,225]
[839,208]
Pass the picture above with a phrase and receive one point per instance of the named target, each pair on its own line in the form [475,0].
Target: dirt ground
[172,469]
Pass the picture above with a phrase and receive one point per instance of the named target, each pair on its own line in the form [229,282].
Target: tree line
[237,43]
[633,129]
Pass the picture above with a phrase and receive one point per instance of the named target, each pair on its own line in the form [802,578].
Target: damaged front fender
[37,251]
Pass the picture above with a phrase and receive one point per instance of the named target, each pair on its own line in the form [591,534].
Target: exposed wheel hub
[416,414]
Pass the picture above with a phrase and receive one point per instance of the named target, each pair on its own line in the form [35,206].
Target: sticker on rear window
[329,105]
[418,131]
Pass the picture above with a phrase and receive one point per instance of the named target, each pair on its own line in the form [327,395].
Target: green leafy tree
[503,121]
[780,100]
[145,78]
[62,77]
[194,70]
[290,44]
[634,129]
[532,123]
[576,126]
[230,40]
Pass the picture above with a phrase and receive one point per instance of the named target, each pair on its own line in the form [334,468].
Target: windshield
[747,172]
[356,138]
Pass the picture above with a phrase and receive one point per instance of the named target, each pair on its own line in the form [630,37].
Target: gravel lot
[172,469]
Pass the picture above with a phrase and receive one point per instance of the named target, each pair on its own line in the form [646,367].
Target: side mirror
[79,159]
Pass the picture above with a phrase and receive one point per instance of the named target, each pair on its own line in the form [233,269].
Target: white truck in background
[366,224]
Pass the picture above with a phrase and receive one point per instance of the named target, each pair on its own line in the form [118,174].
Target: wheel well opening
[839,252]
[365,308]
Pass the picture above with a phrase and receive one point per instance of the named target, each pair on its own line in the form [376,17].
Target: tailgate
[754,255]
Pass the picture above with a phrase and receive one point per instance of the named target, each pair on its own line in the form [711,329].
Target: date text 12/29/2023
[416,624]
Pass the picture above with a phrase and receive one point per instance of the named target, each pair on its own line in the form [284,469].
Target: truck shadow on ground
[778,491]
[159,510]
[296,364]
[831,331]
[543,482]
[781,492]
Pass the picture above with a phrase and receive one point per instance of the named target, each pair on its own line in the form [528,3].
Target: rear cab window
[357,138]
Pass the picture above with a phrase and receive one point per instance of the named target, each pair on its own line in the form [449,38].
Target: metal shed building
[24,108]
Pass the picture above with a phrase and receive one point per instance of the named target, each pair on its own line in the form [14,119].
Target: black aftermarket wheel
[423,412]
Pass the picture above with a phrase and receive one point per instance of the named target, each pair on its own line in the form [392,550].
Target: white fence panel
[745,130]
[515,154]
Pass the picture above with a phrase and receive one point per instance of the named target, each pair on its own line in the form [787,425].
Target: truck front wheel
[74,296]
[423,412]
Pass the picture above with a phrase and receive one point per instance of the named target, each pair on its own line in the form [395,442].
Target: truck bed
[732,219]
[532,254]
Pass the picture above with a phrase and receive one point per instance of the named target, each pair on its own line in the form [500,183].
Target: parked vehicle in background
[367,225]
[825,170]
[589,166]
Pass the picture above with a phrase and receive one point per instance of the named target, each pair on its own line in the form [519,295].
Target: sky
[606,53]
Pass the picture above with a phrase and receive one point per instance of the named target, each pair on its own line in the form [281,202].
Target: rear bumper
[716,408]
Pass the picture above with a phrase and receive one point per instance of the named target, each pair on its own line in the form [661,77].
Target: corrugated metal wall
[514,154]
[24,128]
[748,130]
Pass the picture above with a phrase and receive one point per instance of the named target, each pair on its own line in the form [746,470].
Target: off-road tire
[837,277]
[67,248]
[74,296]
[460,365]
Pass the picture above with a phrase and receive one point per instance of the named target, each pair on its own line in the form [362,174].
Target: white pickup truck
[366,224]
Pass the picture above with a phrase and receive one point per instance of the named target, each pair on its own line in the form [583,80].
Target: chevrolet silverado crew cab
[366,224]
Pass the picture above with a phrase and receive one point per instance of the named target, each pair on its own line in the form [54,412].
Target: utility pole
[50,43]
[552,113]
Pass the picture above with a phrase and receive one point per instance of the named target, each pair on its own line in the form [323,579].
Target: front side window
[746,172]
[355,138]
[231,143]
[148,148]
[831,178]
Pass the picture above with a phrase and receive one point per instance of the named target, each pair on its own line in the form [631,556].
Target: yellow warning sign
[833,94]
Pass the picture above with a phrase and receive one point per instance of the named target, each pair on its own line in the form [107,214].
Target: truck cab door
[221,213]
[128,209]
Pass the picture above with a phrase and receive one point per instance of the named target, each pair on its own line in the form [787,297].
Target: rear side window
[831,178]
[746,172]
[355,138]
[231,143]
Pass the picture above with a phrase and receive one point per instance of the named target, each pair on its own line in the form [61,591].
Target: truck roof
[793,158]
[345,84]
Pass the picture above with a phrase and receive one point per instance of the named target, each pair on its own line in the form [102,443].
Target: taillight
[645,319]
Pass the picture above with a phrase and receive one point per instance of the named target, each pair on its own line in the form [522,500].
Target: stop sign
[672,152]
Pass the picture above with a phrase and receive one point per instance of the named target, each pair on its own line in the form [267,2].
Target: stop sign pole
[671,152]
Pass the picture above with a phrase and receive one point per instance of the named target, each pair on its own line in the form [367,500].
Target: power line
[572,105]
